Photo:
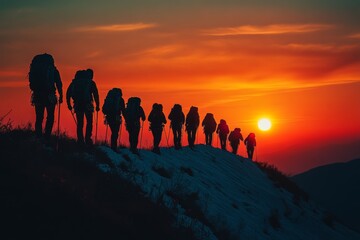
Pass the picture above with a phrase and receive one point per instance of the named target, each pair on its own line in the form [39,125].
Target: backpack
[133,109]
[235,135]
[209,123]
[111,104]
[42,74]
[176,114]
[223,127]
[156,116]
[232,136]
[192,118]
[250,140]
[81,89]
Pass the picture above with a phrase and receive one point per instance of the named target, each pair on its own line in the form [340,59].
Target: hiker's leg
[175,136]
[80,126]
[89,126]
[39,111]
[114,127]
[50,111]
[157,137]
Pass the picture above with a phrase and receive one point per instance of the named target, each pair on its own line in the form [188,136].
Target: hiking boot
[89,142]
[156,150]
[135,151]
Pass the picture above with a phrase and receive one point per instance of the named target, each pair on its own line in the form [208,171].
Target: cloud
[356,35]
[116,27]
[267,30]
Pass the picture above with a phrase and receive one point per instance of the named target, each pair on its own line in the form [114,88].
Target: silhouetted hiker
[177,119]
[84,92]
[113,107]
[234,138]
[157,121]
[209,125]
[250,143]
[133,113]
[43,77]
[192,124]
[223,131]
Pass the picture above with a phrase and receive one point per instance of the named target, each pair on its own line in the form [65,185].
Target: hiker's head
[118,90]
[193,109]
[237,130]
[48,59]
[160,107]
[177,107]
[155,106]
[78,74]
[89,73]
[222,121]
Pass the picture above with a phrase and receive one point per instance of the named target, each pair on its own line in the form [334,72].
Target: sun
[264,124]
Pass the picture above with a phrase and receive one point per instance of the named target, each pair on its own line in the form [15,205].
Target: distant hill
[205,193]
[337,187]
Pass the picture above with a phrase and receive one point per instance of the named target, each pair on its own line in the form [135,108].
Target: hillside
[223,196]
[46,194]
[335,186]
[99,194]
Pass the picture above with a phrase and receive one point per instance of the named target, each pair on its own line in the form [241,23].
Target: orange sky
[296,62]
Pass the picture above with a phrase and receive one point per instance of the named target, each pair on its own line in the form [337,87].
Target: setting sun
[264,124]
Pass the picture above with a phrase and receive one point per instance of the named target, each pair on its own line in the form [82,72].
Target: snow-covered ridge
[214,191]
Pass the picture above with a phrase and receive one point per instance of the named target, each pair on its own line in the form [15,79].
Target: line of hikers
[81,94]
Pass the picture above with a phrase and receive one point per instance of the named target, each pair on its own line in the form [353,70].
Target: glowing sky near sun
[296,62]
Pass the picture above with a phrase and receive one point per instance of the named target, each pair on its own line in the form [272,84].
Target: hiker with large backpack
[234,138]
[133,113]
[44,80]
[209,125]
[177,119]
[157,121]
[112,108]
[83,92]
[223,131]
[250,143]
[192,124]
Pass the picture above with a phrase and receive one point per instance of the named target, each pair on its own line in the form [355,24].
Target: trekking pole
[256,154]
[196,137]
[107,126]
[120,133]
[72,114]
[142,128]
[166,137]
[58,130]
[96,129]
[169,132]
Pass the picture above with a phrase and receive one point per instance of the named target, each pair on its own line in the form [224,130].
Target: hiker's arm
[58,84]
[164,118]
[96,96]
[142,113]
[68,96]
[122,106]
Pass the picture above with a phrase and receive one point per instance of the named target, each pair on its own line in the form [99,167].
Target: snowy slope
[232,193]
[335,186]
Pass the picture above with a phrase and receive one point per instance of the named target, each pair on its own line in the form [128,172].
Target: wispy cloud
[356,35]
[268,29]
[116,27]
